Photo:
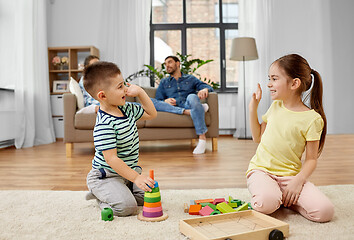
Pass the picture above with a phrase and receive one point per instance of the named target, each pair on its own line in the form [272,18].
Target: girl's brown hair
[295,66]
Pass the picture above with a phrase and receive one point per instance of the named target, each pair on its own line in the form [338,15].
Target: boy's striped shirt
[119,133]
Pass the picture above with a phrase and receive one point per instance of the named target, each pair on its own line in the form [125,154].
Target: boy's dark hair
[173,57]
[89,58]
[98,75]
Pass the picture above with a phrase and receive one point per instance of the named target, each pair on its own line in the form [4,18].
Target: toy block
[216,212]
[236,202]
[204,201]
[242,207]
[107,214]
[212,206]
[250,206]
[186,208]
[225,208]
[206,211]
[218,200]
[203,204]
[194,209]
[192,202]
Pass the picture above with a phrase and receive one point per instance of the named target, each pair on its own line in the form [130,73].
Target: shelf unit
[76,56]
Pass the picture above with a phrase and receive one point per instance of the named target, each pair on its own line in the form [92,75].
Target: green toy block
[216,212]
[212,206]
[107,214]
[225,208]
[204,204]
[250,206]
[242,207]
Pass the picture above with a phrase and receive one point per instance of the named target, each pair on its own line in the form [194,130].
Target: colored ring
[152,205]
[152,214]
[152,200]
[152,195]
[155,209]
[155,190]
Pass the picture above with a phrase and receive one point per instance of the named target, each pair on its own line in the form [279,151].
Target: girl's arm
[292,191]
[257,129]
[125,171]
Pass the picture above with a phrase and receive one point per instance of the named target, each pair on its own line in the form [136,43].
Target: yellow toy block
[225,208]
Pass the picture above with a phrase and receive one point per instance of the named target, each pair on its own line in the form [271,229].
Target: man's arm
[200,85]
[160,92]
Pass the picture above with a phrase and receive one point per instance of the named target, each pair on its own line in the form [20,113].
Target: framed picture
[60,86]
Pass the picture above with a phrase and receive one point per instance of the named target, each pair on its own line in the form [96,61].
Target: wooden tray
[242,225]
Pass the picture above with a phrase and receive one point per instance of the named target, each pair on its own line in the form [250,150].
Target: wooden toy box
[242,225]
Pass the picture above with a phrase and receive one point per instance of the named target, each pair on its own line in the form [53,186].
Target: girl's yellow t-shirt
[284,139]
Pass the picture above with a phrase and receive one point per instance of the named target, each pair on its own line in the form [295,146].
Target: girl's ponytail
[316,104]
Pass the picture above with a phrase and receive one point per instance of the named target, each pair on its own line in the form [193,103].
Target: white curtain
[33,121]
[254,21]
[282,27]
[125,35]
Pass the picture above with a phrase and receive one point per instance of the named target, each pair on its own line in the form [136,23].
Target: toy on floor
[205,207]
[107,214]
[247,224]
[152,209]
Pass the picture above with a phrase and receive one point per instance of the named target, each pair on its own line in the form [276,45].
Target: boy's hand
[143,181]
[256,98]
[133,90]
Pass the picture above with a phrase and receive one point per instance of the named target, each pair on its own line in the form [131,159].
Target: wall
[7,116]
[342,32]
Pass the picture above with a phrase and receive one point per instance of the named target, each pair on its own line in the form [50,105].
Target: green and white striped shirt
[119,133]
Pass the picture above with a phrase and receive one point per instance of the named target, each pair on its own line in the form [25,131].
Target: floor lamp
[244,49]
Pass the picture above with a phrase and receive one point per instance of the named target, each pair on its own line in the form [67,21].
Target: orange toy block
[204,201]
[194,209]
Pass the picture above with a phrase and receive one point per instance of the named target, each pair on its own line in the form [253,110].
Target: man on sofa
[185,91]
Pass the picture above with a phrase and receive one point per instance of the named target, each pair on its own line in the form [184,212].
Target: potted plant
[188,66]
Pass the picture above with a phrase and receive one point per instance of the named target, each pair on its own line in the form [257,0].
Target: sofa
[78,127]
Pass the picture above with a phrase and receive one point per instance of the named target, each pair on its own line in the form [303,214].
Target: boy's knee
[193,99]
[266,203]
[123,210]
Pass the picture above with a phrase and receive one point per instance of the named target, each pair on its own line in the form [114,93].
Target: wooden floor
[46,167]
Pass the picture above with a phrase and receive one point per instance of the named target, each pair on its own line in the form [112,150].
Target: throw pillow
[76,90]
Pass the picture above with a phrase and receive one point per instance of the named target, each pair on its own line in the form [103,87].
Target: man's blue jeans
[193,103]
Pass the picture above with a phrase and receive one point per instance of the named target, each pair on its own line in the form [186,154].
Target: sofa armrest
[212,100]
[69,116]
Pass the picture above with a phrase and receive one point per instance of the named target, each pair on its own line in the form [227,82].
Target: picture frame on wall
[60,86]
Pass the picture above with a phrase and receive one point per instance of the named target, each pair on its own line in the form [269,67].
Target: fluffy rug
[66,215]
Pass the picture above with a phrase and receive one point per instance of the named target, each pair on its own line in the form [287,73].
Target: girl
[276,174]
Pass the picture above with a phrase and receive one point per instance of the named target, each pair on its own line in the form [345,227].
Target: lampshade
[243,48]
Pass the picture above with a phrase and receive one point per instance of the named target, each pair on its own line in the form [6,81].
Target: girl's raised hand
[256,98]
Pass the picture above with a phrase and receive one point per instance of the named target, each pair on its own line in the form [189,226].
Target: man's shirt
[187,84]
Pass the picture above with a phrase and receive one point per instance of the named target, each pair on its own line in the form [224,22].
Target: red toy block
[218,200]
[206,211]
[194,209]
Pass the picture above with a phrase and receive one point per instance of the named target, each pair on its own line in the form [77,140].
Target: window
[202,28]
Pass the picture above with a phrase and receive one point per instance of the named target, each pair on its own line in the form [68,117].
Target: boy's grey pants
[115,192]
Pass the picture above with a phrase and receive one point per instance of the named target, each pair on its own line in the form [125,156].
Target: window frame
[183,28]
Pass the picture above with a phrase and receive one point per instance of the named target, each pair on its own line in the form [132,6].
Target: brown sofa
[79,127]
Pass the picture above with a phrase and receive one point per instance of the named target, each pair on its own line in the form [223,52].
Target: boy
[115,178]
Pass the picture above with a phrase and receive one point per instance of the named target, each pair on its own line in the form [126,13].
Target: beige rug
[66,215]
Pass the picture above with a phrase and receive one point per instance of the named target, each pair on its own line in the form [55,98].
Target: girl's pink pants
[266,190]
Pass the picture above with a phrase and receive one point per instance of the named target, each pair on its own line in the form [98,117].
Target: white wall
[341,22]
[73,23]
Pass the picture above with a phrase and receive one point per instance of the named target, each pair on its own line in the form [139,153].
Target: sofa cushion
[167,120]
[84,121]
